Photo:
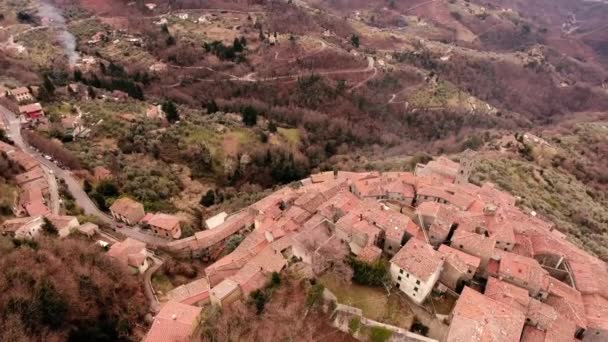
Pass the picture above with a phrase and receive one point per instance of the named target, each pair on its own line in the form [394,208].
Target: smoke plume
[57,21]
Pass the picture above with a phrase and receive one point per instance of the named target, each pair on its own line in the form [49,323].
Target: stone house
[127,210]
[459,268]
[415,269]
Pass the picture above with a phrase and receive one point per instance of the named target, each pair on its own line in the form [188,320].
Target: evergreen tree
[237,46]
[49,228]
[354,40]
[212,107]
[250,116]
[208,199]
[170,111]
[272,127]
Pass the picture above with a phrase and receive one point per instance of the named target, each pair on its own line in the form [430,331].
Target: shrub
[49,228]
[171,112]
[374,274]
[314,296]
[259,299]
[379,334]
[275,279]
[456,15]
[355,40]
[250,116]
[208,199]
[233,242]
[354,324]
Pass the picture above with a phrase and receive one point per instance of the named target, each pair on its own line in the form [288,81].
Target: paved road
[13,126]
[148,289]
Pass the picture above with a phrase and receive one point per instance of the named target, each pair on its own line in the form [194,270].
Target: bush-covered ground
[574,207]
[65,290]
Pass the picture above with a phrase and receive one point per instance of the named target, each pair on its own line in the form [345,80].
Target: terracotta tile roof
[369,187]
[414,230]
[568,302]
[419,259]
[247,249]
[211,237]
[23,159]
[124,249]
[370,254]
[193,289]
[225,288]
[523,246]
[322,177]
[6,148]
[508,294]
[163,221]
[459,199]
[477,318]
[474,244]
[532,334]
[174,323]
[310,201]
[20,91]
[62,221]
[525,269]
[467,259]
[30,108]
[128,208]
[443,213]
[33,174]
[596,310]
[36,207]
[12,225]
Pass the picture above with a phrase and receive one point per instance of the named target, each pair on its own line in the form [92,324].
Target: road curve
[13,126]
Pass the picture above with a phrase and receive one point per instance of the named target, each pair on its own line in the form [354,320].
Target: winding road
[13,125]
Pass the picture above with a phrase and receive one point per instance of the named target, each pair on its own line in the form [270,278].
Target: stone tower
[467,162]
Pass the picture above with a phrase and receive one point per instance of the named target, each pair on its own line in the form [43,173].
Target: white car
[47,157]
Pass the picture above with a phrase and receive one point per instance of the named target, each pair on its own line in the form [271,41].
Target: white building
[29,228]
[416,268]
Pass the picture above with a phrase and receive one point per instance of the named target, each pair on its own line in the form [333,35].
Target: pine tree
[170,110]
[212,107]
[208,199]
[49,228]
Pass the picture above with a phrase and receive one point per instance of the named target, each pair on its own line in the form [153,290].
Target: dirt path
[370,66]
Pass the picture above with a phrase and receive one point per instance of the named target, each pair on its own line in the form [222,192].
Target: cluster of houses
[32,208]
[132,212]
[515,276]
[29,109]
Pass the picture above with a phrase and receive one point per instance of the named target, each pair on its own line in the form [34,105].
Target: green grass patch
[373,301]
[161,283]
[292,135]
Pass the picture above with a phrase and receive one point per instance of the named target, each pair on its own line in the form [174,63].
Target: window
[399,278]
[415,289]
[417,282]
[397,285]
[469,271]
[407,275]
[390,248]
[401,271]
[461,246]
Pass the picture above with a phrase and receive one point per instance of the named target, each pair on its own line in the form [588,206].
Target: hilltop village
[516,278]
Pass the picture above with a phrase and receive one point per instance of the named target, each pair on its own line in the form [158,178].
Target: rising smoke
[56,20]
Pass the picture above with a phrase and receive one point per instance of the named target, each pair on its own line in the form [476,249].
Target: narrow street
[13,126]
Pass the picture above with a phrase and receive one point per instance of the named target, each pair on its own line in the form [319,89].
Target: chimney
[174,317]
